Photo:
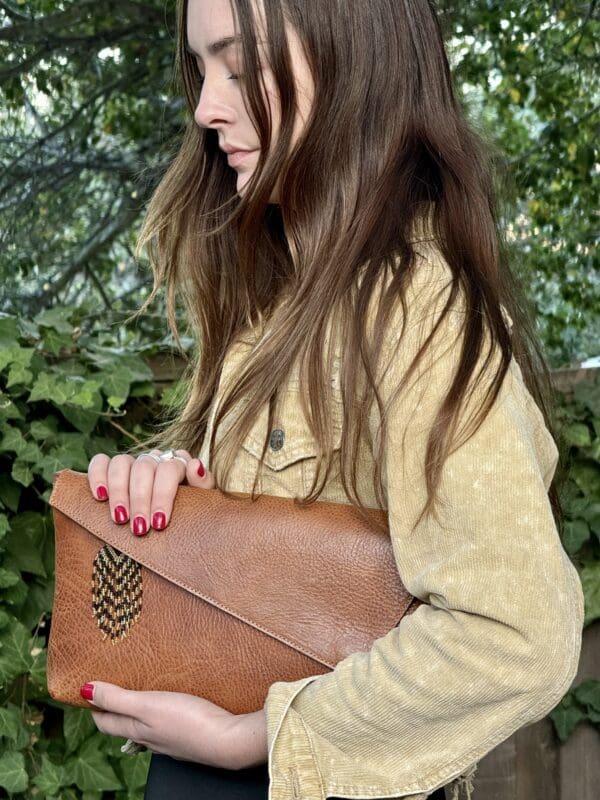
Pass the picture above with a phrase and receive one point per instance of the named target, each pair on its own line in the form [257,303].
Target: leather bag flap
[315,578]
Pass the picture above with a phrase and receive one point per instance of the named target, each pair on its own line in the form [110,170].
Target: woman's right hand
[141,490]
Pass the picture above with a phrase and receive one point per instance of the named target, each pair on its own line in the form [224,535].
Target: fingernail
[201,470]
[159,521]
[102,493]
[121,514]
[87,692]
[139,526]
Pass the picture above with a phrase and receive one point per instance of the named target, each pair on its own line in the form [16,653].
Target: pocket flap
[290,438]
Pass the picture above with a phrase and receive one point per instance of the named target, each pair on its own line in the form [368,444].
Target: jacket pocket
[291,454]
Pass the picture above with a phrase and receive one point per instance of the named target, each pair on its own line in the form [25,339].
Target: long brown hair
[386,142]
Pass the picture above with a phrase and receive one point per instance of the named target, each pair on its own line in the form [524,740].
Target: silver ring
[152,455]
[131,748]
[169,455]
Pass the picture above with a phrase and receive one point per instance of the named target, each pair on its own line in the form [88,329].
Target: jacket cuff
[293,770]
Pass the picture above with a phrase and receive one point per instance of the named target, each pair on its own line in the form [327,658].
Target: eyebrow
[216,47]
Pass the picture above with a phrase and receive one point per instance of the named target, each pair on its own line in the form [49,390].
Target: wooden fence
[532,764]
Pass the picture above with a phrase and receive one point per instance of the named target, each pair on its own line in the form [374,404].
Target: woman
[361,339]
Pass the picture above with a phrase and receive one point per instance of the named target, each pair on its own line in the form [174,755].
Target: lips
[229,149]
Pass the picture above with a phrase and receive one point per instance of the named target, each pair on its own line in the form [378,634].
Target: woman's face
[220,105]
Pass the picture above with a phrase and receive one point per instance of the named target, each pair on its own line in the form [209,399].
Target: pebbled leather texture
[231,597]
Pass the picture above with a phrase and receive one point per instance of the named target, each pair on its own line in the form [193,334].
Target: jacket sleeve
[496,644]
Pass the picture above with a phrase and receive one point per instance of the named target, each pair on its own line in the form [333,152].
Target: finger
[118,486]
[111,697]
[141,483]
[198,475]
[117,725]
[98,475]
[168,476]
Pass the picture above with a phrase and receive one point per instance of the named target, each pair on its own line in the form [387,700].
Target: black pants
[171,779]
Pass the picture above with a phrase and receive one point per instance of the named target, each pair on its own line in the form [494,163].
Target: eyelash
[230,78]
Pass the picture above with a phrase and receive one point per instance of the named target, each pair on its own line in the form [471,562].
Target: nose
[212,109]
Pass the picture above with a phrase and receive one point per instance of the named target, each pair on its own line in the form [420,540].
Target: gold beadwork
[116,592]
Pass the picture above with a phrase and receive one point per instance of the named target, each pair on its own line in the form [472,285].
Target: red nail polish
[139,526]
[159,521]
[201,470]
[87,691]
[102,493]
[121,514]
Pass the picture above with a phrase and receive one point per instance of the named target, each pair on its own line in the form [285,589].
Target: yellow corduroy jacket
[495,645]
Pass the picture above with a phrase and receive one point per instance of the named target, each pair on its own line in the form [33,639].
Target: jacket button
[276,440]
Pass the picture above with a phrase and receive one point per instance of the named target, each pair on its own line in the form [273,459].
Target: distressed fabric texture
[497,644]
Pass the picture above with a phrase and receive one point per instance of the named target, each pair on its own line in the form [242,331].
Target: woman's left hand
[178,725]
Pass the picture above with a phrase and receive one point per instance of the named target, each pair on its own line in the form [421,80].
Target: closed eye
[229,78]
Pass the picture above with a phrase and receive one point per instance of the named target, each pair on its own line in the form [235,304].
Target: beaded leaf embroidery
[116,592]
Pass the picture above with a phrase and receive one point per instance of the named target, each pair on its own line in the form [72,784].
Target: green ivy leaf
[566,716]
[23,549]
[86,394]
[576,533]
[19,375]
[56,318]
[10,722]
[21,473]
[55,342]
[116,402]
[144,389]
[577,434]
[17,356]
[588,694]
[91,769]
[50,778]
[75,391]
[16,595]
[9,330]
[593,716]
[72,456]
[43,429]
[587,393]
[4,526]
[115,383]
[10,492]
[12,440]
[592,516]
[50,387]
[8,354]
[135,770]
[590,581]
[85,420]
[15,655]
[586,475]
[113,359]
[78,724]
[13,775]
[38,673]
[8,578]
[8,410]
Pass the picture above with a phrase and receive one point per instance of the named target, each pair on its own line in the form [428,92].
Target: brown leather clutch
[232,596]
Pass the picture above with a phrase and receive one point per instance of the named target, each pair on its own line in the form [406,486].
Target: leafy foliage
[93,118]
[580,495]
[68,389]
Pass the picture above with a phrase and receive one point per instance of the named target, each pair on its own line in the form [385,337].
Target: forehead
[209,20]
